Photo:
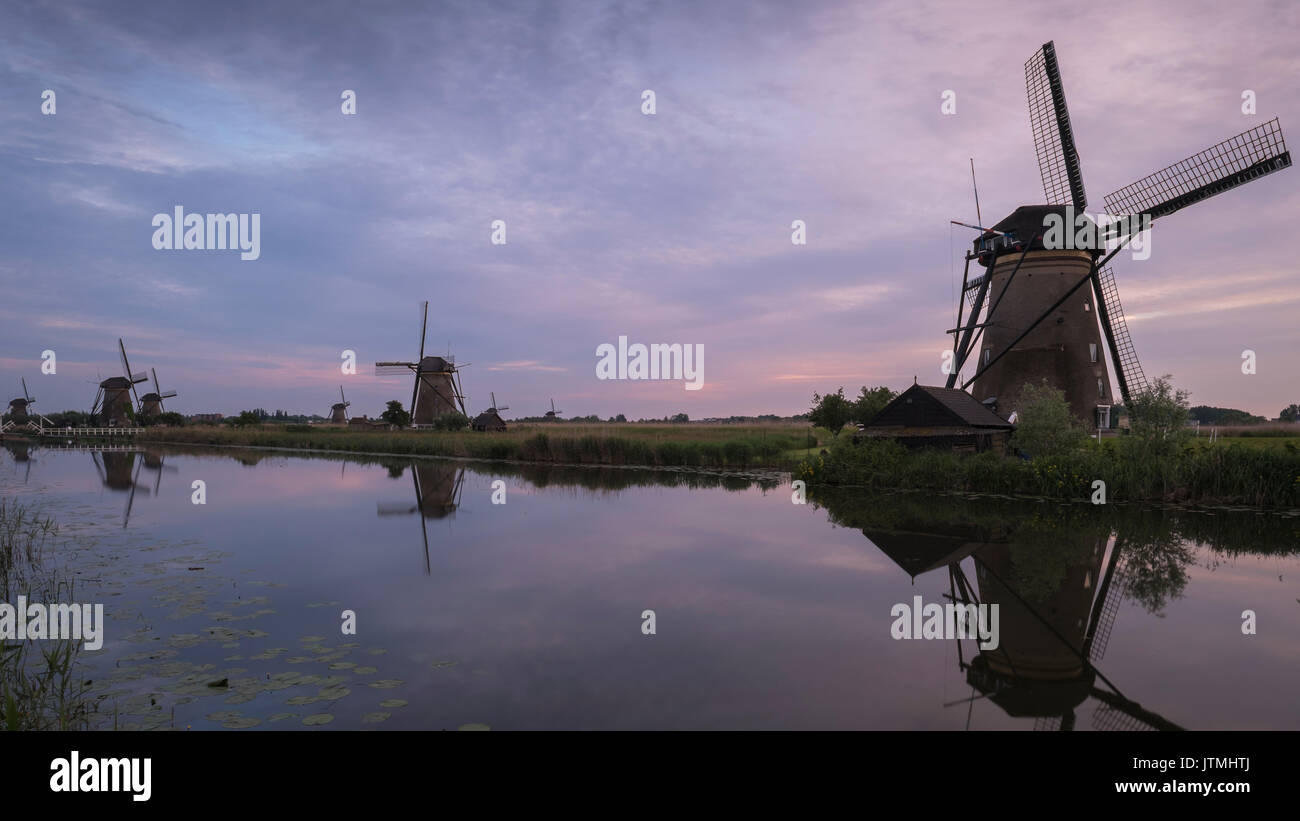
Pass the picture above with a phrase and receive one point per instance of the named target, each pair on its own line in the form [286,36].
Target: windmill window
[1086,308]
[1101,388]
[988,354]
[1092,351]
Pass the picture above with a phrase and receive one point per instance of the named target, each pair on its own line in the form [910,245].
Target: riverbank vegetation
[40,688]
[744,447]
[1160,460]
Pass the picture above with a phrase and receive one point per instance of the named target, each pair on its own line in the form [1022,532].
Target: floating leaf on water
[376,651]
[473,727]
[318,718]
[440,664]
[393,703]
[342,665]
[298,659]
[225,682]
[311,639]
[241,698]
[223,715]
[375,718]
[243,722]
[333,693]
[296,700]
[281,716]
[385,684]
[365,671]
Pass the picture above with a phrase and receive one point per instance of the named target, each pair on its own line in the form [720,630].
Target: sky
[671,227]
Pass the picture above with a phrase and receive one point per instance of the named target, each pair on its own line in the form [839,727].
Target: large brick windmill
[1045,309]
[113,406]
[437,382]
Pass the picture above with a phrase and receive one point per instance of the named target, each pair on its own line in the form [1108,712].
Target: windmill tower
[490,419]
[552,415]
[113,403]
[18,407]
[437,382]
[339,410]
[151,403]
[1045,313]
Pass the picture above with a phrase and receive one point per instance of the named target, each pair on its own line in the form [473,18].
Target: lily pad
[469,727]
[393,703]
[374,718]
[318,718]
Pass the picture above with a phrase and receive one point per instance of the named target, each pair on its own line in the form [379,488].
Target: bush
[1045,426]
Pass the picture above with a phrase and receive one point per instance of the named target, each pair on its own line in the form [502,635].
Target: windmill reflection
[437,495]
[20,450]
[119,470]
[1058,586]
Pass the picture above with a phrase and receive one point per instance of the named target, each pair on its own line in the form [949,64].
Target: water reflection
[437,495]
[1059,575]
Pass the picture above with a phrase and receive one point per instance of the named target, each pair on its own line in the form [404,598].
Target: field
[716,446]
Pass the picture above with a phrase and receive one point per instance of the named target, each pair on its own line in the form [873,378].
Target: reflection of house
[928,417]
[363,423]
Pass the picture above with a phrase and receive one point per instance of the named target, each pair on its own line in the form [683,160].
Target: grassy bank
[1219,474]
[703,446]
[39,686]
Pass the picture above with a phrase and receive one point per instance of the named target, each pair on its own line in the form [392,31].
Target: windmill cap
[435,363]
[120,382]
[1027,221]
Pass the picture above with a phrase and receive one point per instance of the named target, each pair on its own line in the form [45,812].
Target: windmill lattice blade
[126,367]
[1134,380]
[156,389]
[1049,119]
[1233,162]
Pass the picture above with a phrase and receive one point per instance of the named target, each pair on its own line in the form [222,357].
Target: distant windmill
[437,382]
[113,402]
[339,410]
[1042,325]
[151,403]
[490,419]
[18,407]
[552,414]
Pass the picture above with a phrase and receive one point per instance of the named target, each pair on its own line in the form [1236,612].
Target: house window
[1092,351]
[1103,417]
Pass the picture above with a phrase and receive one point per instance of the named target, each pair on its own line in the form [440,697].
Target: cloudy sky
[671,227]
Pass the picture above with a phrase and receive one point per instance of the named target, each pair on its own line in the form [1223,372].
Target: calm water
[528,614]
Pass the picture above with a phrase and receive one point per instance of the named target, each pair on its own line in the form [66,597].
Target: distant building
[946,418]
[489,420]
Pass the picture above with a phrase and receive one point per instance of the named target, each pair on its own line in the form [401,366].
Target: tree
[453,420]
[679,418]
[246,418]
[1290,414]
[831,411]
[872,401]
[395,415]
[1046,427]
[1159,412]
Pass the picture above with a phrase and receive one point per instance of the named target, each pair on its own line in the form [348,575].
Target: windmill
[437,382]
[1047,329]
[151,403]
[18,407]
[552,415]
[116,473]
[339,410]
[437,495]
[490,419]
[113,401]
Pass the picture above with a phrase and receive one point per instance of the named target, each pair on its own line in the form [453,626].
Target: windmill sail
[1236,161]
[1058,160]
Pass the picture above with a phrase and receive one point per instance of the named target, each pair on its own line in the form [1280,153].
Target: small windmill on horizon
[18,407]
[339,410]
[552,415]
[113,406]
[151,404]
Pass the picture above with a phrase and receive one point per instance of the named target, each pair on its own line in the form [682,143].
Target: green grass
[1132,470]
[699,446]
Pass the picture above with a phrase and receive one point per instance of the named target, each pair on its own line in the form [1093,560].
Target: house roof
[937,405]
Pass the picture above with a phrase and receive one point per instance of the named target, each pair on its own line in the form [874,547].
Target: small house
[946,418]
